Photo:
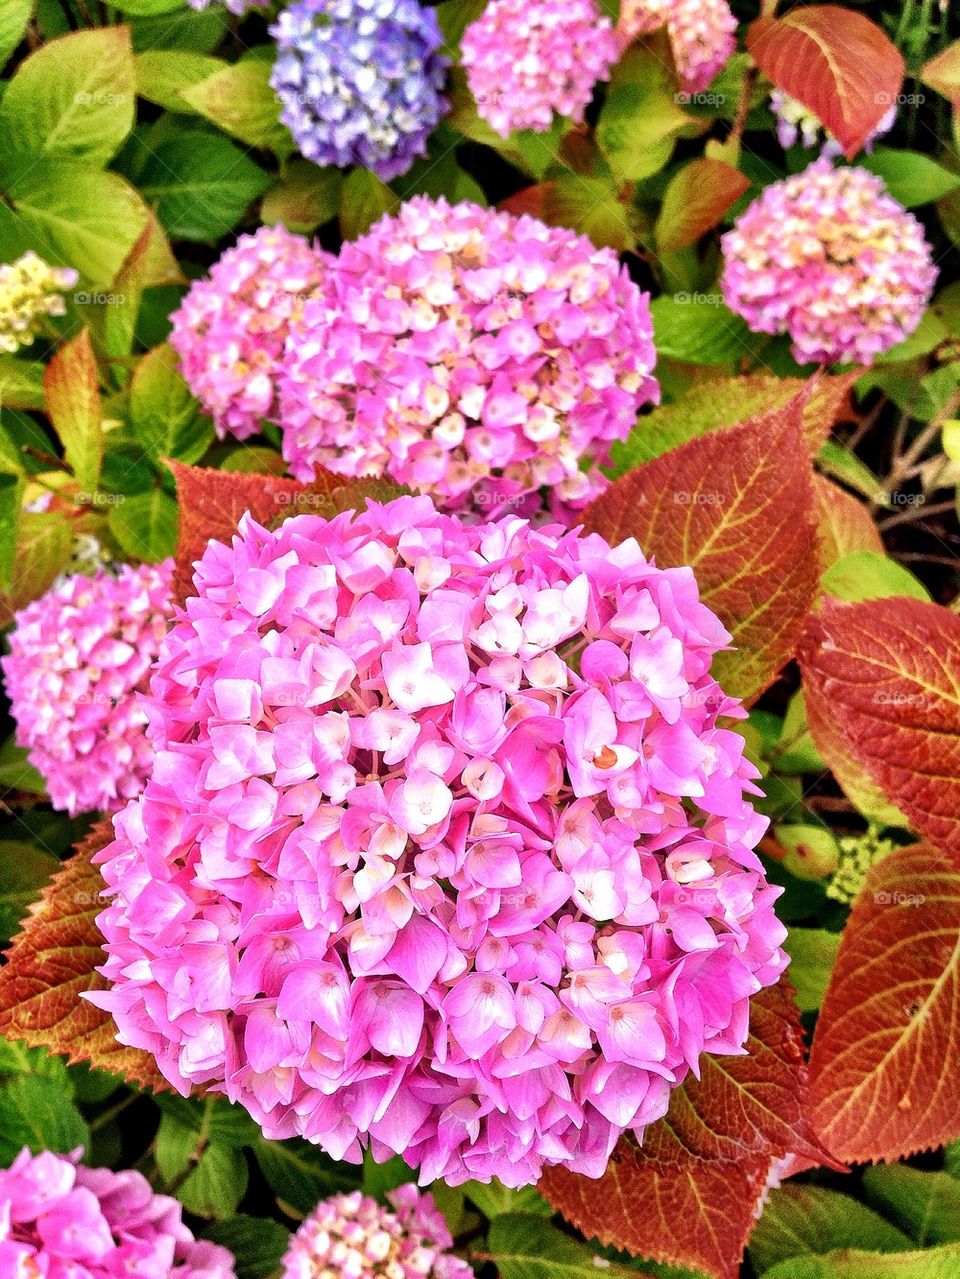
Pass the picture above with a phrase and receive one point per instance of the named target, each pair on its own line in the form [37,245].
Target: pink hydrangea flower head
[61,1220]
[78,657]
[231,326]
[526,59]
[444,851]
[470,354]
[354,1237]
[702,34]
[832,260]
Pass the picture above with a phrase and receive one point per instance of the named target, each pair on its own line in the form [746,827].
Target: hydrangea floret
[353,1237]
[61,1220]
[230,329]
[472,355]
[444,850]
[360,81]
[831,259]
[30,290]
[702,34]
[555,51]
[78,657]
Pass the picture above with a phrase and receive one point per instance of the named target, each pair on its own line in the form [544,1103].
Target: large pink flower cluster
[555,51]
[443,849]
[231,327]
[353,1237]
[469,354]
[78,656]
[831,259]
[702,34]
[60,1220]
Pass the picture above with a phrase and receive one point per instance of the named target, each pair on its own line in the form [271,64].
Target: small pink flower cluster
[555,51]
[471,355]
[78,656]
[353,1237]
[60,1220]
[831,259]
[702,34]
[231,327]
[443,850]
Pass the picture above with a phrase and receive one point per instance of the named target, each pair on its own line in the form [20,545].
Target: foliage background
[137,139]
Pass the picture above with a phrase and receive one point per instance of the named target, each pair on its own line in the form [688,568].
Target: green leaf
[89,220]
[924,1204]
[837,460]
[257,1243]
[798,1220]
[21,383]
[72,99]
[11,498]
[217,1183]
[494,1199]
[72,397]
[24,869]
[592,207]
[166,418]
[699,328]
[164,74]
[813,952]
[868,575]
[196,32]
[641,117]
[935,1263]
[525,1247]
[147,8]
[911,177]
[35,1112]
[300,1174]
[14,16]
[238,99]
[145,525]
[202,185]
[307,197]
[363,200]
[43,549]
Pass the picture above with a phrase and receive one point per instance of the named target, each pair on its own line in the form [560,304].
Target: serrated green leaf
[202,184]
[14,16]
[145,525]
[24,869]
[926,1205]
[868,575]
[935,1263]
[300,1174]
[641,117]
[798,1220]
[72,99]
[700,329]
[494,1199]
[217,1184]
[363,200]
[164,74]
[525,1247]
[165,417]
[35,1112]
[257,1243]
[238,99]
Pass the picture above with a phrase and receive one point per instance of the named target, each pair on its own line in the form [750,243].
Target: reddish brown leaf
[687,1197]
[736,505]
[72,397]
[844,524]
[884,675]
[838,63]
[886,1053]
[696,200]
[531,200]
[942,73]
[52,961]
[212,502]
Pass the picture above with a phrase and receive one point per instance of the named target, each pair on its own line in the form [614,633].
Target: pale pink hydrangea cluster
[526,59]
[831,259]
[231,327]
[60,1220]
[78,656]
[472,355]
[702,34]
[443,851]
[353,1237]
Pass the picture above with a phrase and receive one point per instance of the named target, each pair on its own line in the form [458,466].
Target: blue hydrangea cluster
[360,81]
